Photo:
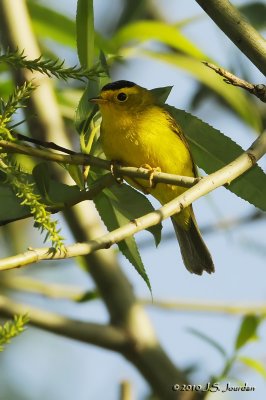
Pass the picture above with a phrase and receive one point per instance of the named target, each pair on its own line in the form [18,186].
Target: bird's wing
[177,129]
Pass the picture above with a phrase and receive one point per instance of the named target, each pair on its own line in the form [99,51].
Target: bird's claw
[152,171]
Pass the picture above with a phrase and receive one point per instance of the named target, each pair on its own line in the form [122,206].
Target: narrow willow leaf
[247,330]
[48,23]
[142,31]
[86,110]
[54,193]
[88,296]
[255,12]
[133,204]
[51,24]
[85,33]
[208,340]
[256,365]
[235,98]
[212,150]
[41,178]
[161,94]
[76,174]
[10,209]
[113,218]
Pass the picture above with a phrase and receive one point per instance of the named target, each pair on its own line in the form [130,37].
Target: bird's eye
[122,96]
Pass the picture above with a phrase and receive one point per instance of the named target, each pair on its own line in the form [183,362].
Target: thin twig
[258,90]
[238,29]
[50,290]
[86,159]
[223,176]
[223,224]
[106,336]
[47,145]
[72,293]
[207,307]
[126,391]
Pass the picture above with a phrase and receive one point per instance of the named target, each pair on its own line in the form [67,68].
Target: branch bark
[207,184]
[206,307]
[258,90]
[85,159]
[236,27]
[105,336]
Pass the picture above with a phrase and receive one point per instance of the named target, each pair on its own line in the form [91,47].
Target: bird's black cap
[118,85]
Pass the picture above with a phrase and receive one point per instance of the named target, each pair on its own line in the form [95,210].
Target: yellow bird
[136,131]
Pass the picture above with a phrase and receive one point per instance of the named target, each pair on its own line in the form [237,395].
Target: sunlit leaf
[85,33]
[142,31]
[48,23]
[256,365]
[247,330]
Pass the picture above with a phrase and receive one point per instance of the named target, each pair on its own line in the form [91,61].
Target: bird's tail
[195,253]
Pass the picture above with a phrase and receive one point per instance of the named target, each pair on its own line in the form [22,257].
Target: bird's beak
[98,100]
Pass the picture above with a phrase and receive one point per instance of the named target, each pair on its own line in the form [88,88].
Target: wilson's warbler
[135,131]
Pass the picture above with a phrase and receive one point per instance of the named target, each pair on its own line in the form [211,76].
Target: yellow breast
[148,138]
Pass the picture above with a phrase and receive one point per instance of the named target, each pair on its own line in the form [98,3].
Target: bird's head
[123,96]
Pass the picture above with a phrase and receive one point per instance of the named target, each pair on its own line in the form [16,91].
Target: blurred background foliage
[150,43]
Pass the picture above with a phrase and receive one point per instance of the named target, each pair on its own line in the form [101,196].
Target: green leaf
[212,150]
[235,98]
[161,94]
[209,340]
[112,216]
[88,296]
[142,31]
[55,193]
[76,174]
[12,328]
[133,204]
[86,110]
[247,330]
[41,179]
[256,365]
[51,24]
[85,33]
[255,12]
[48,23]
[10,209]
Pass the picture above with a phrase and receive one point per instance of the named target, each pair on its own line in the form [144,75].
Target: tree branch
[72,293]
[223,224]
[258,90]
[207,184]
[236,27]
[206,307]
[105,336]
[86,159]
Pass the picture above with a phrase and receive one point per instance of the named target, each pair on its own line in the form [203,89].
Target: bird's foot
[152,171]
